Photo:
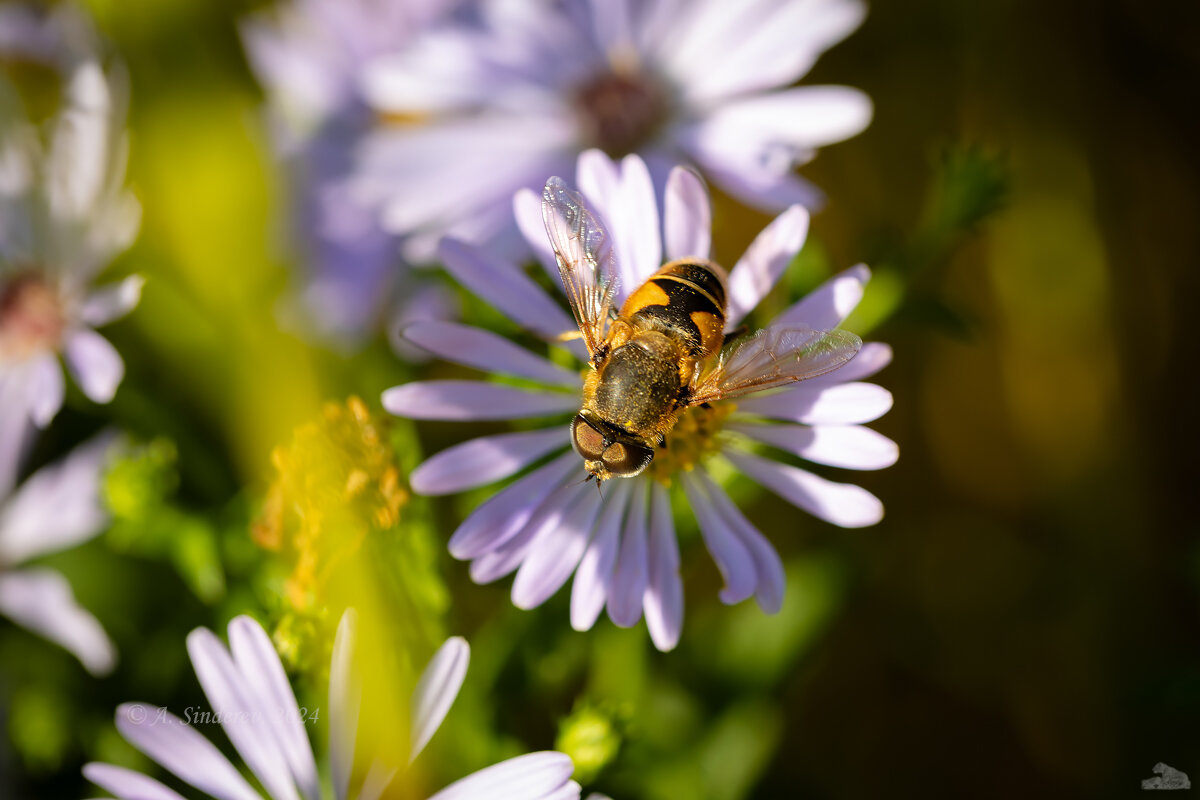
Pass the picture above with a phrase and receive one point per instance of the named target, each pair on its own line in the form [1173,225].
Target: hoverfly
[665,350]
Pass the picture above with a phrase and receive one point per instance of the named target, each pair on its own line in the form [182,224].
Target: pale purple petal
[59,506]
[873,357]
[570,791]
[556,549]
[826,306]
[757,272]
[473,400]
[529,777]
[41,600]
[505,288]
[840,404]
[345,700]
[629,581]
[481,461]
[127,784]
[378,777]
[767,565]
[259,665]
[793,121]
[841,504]
[112,302]
[499,562]
[687,216]
[638,238]
[241,718]
[506,513]
[664,589]
[593,578]
[731,557]
[437,689]
[527,210]
[433,175]
[45,389]
[777,51]
[180,749]
[846,446]
[95,363]
[482,349]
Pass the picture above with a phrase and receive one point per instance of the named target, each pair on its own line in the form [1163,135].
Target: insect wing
[585,259]
[772,358]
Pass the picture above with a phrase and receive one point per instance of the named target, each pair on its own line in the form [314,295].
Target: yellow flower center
[694,438]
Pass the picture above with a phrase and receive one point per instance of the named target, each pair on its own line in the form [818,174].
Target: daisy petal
[629,581]
[46,388]
[95,363]
[781,48]
[233,700]
[481,461]
[594,576]
[58,506]
[528,777]
[127,784]
[181,750]
[826,306]
[638,241]
[257,661]
[846,446]
[112,302]
[41,600]
[377,780]
[505,513]
[727,550]
[527,210]
[664,587]
[437,689]
[490,352]
[505,288]
[556,548]
[840,404]
[473,400]
[345,700]
[841,504]
[756,272]
[570,791]
[873,357]
[797,119]
[767,565]
[687,216]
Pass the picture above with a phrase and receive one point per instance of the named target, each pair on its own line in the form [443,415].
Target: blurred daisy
[249,693]
[515,97]
[308,55]
[63,215]
[622,549]
[56,508]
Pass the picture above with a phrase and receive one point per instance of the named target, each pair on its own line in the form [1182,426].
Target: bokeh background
[1022,623]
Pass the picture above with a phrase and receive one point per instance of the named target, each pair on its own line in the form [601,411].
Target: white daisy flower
[249,693]
[622,550]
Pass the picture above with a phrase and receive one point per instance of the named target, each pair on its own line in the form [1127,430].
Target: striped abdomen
[686,300]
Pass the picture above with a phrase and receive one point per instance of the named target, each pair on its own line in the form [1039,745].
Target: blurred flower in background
[64,213]
[471,112]
[308,55]
[57,507]
[622,548]
[250,696]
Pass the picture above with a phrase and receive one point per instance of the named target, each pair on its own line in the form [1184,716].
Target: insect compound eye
[587,441]
[627,459]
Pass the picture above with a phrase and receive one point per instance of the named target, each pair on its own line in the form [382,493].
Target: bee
[665,350]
